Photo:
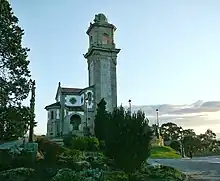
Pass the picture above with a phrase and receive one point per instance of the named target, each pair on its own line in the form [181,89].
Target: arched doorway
[75,120]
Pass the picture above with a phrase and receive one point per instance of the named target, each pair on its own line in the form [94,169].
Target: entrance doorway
[75,120]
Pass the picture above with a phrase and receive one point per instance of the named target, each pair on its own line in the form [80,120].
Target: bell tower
[102,60]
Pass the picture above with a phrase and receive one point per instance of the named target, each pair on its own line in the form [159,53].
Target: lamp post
[87,100]
[129,102]
[86,123]
[181,143]
[158,124]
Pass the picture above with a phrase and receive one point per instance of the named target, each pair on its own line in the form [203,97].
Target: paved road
[203,168]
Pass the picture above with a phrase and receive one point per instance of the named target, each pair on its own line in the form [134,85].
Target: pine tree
[14,72]
[101,119]
[128,139]
[14,76]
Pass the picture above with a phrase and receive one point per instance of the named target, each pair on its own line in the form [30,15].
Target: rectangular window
[58,129]
[51,128]
[58,114]
[52,115]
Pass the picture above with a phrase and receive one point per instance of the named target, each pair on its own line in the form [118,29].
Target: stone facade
[75,108]
[102,60]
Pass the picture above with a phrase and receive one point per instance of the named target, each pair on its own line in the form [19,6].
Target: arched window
[106,39]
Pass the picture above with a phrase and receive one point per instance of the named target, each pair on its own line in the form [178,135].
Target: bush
[93,144]
[18,174]
[68,141]
[115,176]
[10,161]
[5,160]
[66,175]
[128,139]
[85,143]
[69,158]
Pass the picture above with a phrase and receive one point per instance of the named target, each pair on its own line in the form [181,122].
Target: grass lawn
[163,152]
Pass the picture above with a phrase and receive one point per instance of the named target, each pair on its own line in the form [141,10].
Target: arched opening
[106,39]
[75,120]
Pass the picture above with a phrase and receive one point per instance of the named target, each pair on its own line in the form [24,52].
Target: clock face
[73,100]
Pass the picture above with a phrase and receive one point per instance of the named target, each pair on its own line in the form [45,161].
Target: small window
[91,39]
[58,130]
[52,115]
[106,39]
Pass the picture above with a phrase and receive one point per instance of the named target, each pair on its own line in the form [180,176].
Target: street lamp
[86,125]
[181,143]
[158,125]
[129,102]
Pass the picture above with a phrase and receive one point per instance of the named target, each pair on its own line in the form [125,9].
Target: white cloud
[199,116]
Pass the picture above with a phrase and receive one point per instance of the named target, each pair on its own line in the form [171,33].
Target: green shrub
[138,176]
[68,140]
[66,175]
[80,143]
[10,161]
[93,144]
[85,143]
[69,158]
[5,160]
[18,174]
[115,176]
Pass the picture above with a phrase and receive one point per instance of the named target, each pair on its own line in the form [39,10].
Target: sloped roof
[70,90]
[57,104]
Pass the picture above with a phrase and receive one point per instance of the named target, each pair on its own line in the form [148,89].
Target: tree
[170,131]
[101,119]
[32,122]
[175,145]
[128,139]
[14,71]
[210,135]
[14,76]
[14,122]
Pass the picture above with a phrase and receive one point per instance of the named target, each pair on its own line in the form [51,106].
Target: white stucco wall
[52,123]
[67,126]
[78,100]
[92,102]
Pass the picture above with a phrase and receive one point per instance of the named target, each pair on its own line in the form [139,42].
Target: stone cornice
[100,25]
[115,50]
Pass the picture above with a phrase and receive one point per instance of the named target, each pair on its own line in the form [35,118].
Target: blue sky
[170,49]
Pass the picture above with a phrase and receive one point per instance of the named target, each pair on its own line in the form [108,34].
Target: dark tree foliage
[14,122]
[101,120]
[32,122]
[14,72]
[14,76]
[170,131]
[128,139]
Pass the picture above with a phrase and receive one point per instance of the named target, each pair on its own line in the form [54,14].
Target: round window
[73,100]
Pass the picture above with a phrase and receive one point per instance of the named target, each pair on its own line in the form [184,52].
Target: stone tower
[102,60]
